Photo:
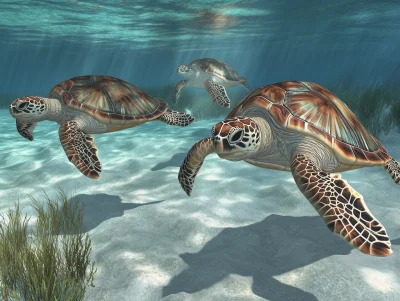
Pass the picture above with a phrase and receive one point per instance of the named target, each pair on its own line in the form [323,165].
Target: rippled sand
[245,234]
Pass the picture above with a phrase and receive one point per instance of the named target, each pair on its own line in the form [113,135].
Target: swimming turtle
[212,74]
[87,105]
[303,128]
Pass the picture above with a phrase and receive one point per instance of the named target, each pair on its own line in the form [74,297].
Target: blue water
[246,233]
[45,42]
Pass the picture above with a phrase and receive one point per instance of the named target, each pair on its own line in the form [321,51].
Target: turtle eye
[22,105]
[236,136]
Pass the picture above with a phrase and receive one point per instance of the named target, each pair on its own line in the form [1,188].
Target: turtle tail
[393,168]
[245,85]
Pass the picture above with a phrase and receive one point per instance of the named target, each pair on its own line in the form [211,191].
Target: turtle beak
[13,110]
[18,106]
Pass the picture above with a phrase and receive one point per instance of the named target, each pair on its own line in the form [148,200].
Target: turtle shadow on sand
[264,250]
[98,208]
[176,160]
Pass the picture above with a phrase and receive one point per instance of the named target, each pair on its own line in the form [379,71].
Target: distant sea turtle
[303,128]
[211,74]
[87,105]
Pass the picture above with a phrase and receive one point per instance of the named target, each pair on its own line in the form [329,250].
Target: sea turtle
[303,128]
[87,105]
[212,74]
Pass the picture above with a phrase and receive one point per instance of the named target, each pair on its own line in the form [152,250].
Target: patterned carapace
[314,110]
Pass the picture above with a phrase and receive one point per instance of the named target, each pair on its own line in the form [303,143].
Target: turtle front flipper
[217,93]
[176,118]
[192,163]
[179,86]
[26,129]
[341,207]
[393,168]
[80,149]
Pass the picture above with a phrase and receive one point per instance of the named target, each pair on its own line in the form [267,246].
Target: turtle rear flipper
[80,149]
[217,93]
[26,129]
[178,88]
[341,207]
[393,168]
[176,118]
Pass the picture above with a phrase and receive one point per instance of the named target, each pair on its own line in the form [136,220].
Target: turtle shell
[312,109]
[108,99]
[218,68]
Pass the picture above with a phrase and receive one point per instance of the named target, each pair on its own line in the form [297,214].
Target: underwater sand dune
[246,234]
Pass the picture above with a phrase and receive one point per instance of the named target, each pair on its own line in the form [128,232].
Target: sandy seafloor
[245,234]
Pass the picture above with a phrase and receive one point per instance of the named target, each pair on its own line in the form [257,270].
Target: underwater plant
[395,114]
[52,263]
[374,106]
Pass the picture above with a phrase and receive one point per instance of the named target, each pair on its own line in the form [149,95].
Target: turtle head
[236,138]
[185,70]
[29,109]
[233,139]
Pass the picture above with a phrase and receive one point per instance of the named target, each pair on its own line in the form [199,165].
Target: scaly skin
[341,207]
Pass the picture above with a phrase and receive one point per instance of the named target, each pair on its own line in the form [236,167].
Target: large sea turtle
[87,105]
[303,128]
[212,74]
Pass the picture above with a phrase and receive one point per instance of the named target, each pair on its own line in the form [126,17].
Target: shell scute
[91,110]
[316,110]
[103,116]
[66,85]
[344,151]
[373,157]
[57,90]
[360,155]
[274,94]
[292,86]
[280,113]
[383,154]
[72,102]
[295,123]
[116,118]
